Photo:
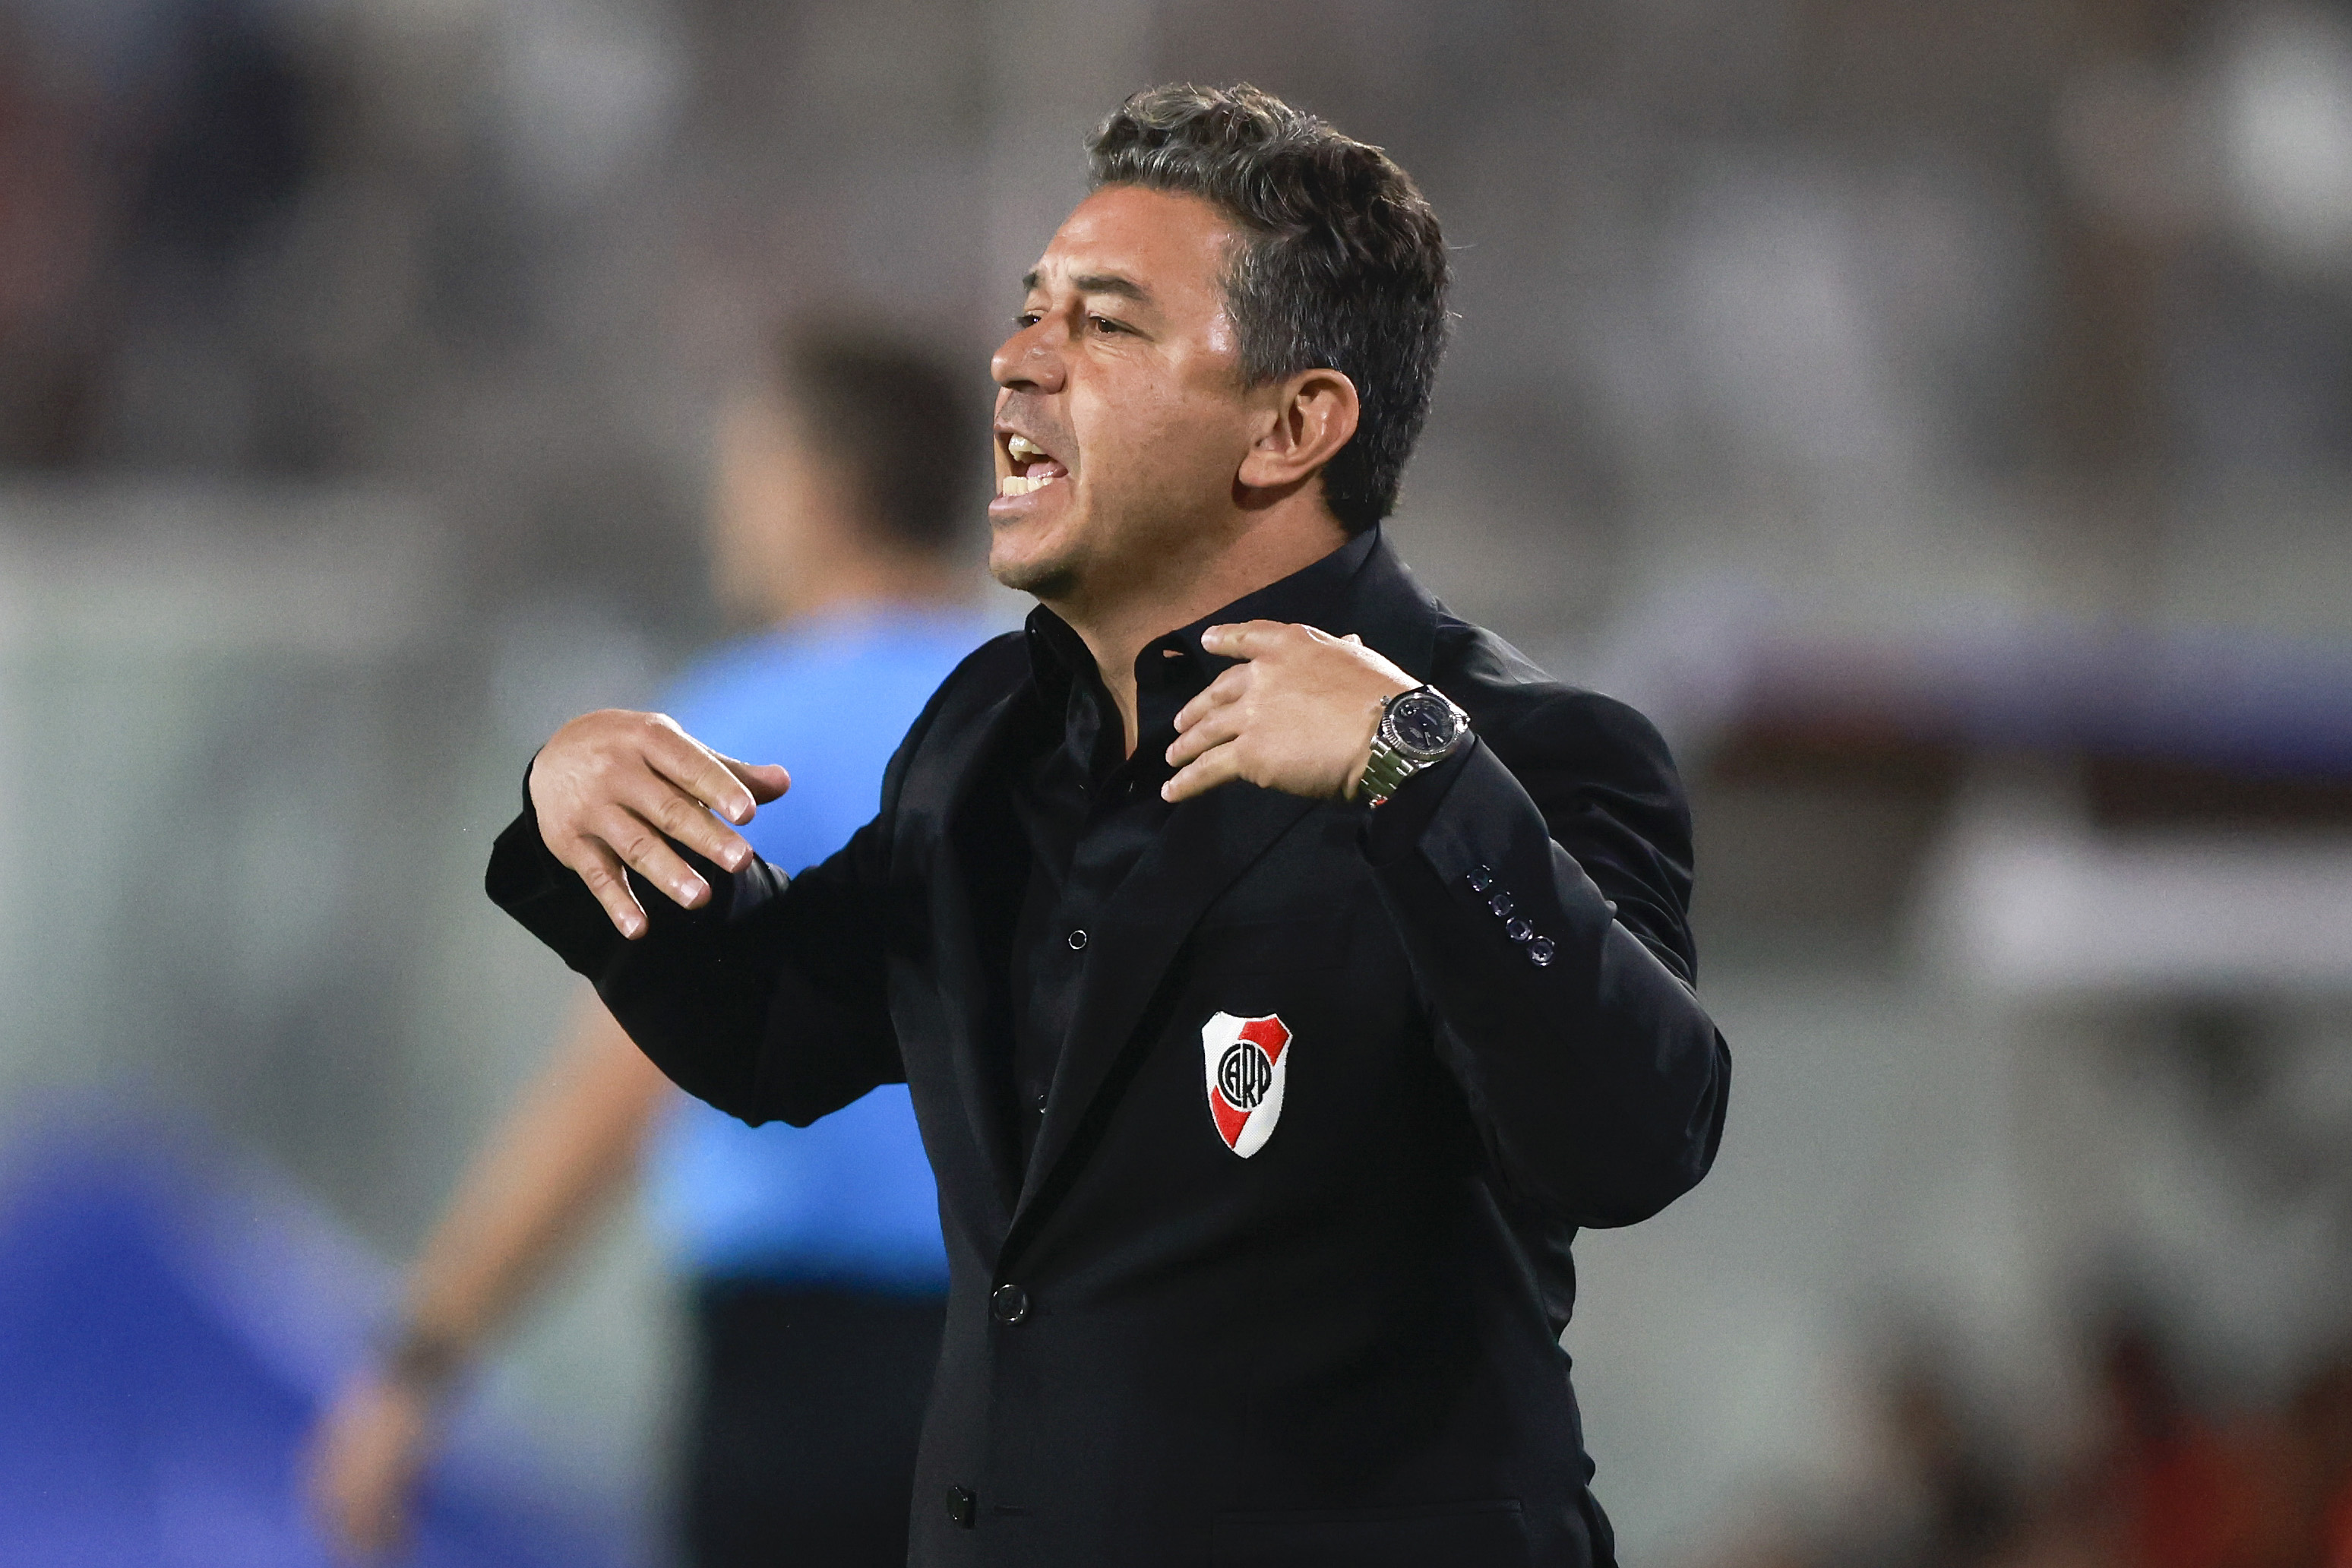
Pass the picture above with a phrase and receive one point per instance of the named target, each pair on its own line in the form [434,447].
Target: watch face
[1423,723]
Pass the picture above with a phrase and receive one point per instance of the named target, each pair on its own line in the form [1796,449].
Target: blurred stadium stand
[169,1327]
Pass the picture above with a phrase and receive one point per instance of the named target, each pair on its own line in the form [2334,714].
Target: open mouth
[1034,468]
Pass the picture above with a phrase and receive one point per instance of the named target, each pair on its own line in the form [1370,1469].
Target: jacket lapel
[971,783]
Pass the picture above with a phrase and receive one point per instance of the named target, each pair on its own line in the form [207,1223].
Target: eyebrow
[1099,283]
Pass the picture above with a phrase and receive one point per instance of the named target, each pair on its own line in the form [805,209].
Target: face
[1121,419]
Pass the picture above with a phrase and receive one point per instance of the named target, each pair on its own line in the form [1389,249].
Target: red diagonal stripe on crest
[1270,1034]
[1228,1119]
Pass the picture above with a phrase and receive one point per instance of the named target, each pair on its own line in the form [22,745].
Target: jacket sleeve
[769,1002]
[1597,1080]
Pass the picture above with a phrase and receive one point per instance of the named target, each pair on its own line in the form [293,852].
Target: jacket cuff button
[1539,951]
[1481,878]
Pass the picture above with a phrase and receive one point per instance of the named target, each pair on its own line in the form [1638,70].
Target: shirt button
[1077,941]
[1010,1303]
[962,1506]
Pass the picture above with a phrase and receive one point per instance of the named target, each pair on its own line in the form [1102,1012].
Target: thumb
[766,781]
[1353,638]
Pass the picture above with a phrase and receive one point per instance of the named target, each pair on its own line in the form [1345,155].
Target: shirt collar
[1320,594]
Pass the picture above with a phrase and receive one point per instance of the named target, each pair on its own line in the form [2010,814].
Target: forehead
[1172,245]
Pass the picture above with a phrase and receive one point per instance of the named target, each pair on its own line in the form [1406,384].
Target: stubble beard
[1053,578]
[1108,557]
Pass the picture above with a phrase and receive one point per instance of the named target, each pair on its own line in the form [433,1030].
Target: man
[1273,1022]
[814,1257]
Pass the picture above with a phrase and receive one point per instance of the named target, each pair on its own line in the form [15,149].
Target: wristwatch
[1417,729]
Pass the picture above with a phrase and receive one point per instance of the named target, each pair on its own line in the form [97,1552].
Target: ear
[1308,418]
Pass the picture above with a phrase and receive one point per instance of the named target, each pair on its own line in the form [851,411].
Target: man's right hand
[612,787]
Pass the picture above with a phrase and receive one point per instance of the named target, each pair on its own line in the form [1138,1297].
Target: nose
[1030,360]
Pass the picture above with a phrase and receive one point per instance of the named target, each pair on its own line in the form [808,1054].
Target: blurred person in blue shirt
[817,1274]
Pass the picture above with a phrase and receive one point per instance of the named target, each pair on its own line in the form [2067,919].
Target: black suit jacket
[1343,1348]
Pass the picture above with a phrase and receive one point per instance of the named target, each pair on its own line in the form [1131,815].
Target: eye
[1026,319]
[1104,325]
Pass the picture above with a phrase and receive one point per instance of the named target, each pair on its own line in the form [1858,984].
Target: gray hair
[1343,268]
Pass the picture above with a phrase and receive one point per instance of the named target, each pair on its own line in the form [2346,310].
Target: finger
[646,850]
[1214,729]
[1228,686]
[697,770]
[599,868]
[1218,765]
[1245,639]
[1353,638]
[682,817]
[766,781]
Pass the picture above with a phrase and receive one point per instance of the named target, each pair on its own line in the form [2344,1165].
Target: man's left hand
[1297,714]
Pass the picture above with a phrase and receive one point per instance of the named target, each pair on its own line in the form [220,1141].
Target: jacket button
[1077,941]
[1010,1303]
[962,1506]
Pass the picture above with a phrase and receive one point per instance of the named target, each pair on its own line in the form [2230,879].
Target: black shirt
[1088,813]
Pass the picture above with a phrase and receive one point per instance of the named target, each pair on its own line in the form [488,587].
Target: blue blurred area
[169,1327]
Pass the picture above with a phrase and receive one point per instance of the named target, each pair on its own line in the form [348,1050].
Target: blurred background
[1938,416]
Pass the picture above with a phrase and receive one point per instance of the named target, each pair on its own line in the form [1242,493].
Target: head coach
[1283,968]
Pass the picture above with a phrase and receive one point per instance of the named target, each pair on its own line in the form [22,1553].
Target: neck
[1114,626]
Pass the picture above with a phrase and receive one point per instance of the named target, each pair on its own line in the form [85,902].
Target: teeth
[1023,450]
[1018,485]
